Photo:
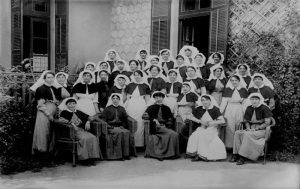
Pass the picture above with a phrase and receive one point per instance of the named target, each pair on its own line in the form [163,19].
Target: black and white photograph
[152,94]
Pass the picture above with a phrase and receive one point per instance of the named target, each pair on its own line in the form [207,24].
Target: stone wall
[130,26]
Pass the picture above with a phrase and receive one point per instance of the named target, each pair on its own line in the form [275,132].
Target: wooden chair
[242,126]
[66,138]
[103,132]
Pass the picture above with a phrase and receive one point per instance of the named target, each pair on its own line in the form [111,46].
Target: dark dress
[163,141]
[266,92]
[142,64]
[198,82]
[88,143]
[156,84]
[103,93]
[111,64]
[114,74]
[167,66]
[119,142]
[182,72]
[216,87]
[43,135]
[204,70]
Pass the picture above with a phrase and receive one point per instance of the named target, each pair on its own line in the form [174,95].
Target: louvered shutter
[16,32]
[61,47]
[160,32]
[218,26]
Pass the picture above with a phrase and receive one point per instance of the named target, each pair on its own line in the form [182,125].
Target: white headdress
[211,59]
[126,66]
[63,104]
[41,81]
[127,81]
[261,100]
[178,78]
[242,83]
[89,63]
[213,68]
[109,102]
[106,58]
[151,57]
[108,66]
[197,75]
[192,48]
[80,77]
[247,72]
[101,72]
[144,78]
[160,74]
[266,81]
[191,85]
[201,63]
[138,57]
[61,73]
[171,58]
[212,99]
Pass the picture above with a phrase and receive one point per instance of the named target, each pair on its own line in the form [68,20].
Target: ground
[149,173]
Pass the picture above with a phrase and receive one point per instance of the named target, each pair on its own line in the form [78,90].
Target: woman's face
[133,66]
[154,71]
[254,101]
[218,73]
[165,55]
[258,81]
[180,61]
[216,58]
[172,76]
[115,100]
[235,82]
[205,102]
[186,88]
[190,72]
[188,53]
[154,61]
[61,79]
[137,77]
[104,66]
[103,76]
[242,70]
[120,66]
[87,77]
[90,67]
[49,79]
[121,81]
[112,55]
[198,59]
[71,106]
[143,55]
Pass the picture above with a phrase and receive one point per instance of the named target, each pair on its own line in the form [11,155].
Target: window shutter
[16,32]
[160,33]
[61,47]
[219,26]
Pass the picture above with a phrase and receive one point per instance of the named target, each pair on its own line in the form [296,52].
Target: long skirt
[206,143]
[249,144]
[43,135]
[163,144]
[119,143]
[88,146]
[135,108]
[234,115]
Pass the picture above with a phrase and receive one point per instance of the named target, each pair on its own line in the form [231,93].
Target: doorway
[195,31]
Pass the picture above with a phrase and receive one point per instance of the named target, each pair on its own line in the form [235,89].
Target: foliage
[279,59]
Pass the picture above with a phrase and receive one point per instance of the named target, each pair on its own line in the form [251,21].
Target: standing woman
[138,95]
[243,70]
[47,98]
[133,66]
[86,93]
[142,57]
[189,53]
[216,82]
[199,63]
[154,60]
[173,88]
[103,89]
[215,58]
[181,66]
[231,107]
[111,57]
[195,80]
[167,60]
[155,80]
[91,66]
[120,83]
[62,79]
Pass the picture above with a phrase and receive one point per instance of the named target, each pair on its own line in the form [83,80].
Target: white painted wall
[5,33]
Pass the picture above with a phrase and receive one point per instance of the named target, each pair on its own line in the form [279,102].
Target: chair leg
[74,155]
[265,153]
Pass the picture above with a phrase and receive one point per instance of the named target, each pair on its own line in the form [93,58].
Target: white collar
[256,87]
[210,107]
[71,111]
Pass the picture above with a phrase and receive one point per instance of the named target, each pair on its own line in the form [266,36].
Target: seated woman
[202,69]
[181,66]
[243,70]
[88,149]
[119,141]
[86,93]
[163,141]
[216,82]
[137,95]
[232,106]
[250,143]
[195,80]
[47,98]
[166,60]
[204,143]
[155,80]
[260,84]
[173,88]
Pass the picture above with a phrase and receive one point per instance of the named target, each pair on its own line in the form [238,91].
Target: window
[190,5]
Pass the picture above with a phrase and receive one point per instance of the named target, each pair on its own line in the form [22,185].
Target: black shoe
[92,163]
[197,158]
[241,161]
[234,158]
[127,157]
